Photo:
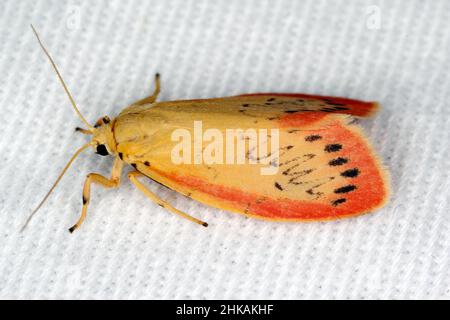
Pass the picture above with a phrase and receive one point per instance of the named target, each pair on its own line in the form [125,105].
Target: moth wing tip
[375,108]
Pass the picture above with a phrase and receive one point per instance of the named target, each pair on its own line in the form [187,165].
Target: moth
[324,167]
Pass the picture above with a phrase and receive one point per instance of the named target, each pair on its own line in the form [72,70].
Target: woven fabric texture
[395,52]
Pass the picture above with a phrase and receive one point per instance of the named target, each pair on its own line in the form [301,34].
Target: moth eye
[101,150]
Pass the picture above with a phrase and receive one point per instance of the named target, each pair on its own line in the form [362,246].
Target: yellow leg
[153,97]
[83,131]
[113,182]
[133,178]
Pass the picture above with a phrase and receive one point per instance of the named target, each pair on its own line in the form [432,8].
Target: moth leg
[83,131]
[113,182]
[153,97]
[133,178]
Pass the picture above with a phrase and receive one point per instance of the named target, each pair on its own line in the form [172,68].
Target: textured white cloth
[108,52]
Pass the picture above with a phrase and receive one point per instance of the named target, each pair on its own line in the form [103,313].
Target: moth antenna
[61,80]
[55,184]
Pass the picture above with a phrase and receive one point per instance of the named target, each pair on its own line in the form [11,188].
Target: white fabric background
[108,52]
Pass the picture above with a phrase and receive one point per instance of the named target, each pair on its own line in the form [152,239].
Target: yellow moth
[274,156]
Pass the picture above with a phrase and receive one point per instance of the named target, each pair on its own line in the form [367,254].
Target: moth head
[103,138]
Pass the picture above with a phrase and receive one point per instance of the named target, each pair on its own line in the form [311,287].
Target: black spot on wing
[338,161]
[333,147]
[350,173]
[327,110]
[287,171]
[340,108]
[317,194]
[345,189]
[313,138]
[338,201]
[332,103]
[303,158]
[299,174]
[278,186]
